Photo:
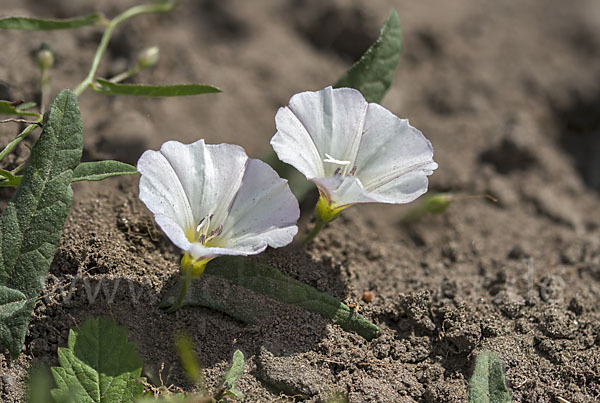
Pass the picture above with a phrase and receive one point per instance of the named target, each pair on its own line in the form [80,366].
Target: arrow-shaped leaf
[31,225]
[372,74]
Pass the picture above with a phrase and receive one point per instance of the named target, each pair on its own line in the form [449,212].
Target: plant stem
[319,225]
[185,286]
[10,146]
[161,7]
[45,89]
[125,75]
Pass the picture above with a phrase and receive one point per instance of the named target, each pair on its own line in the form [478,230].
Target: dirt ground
[508,92]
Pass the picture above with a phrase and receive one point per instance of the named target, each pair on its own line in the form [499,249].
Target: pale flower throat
[202,232]
[344,169]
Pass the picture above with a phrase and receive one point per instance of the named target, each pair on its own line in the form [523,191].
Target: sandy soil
[506,91]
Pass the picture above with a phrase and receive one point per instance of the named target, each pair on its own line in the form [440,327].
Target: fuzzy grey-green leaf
[141,90]
[235,371]
[99,365]
[31,225]
[372,74]
[99,170]
[488,383]
[39,24]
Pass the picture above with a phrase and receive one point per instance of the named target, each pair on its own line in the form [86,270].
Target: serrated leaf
[99,170]
[9,108]
[488,383]
[39,24]
[107,87]
[270,282]
[31,225]
[372,74]
[99,365]
[233,373]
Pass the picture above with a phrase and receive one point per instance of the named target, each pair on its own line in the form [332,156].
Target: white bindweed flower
[354,151]
[212,200]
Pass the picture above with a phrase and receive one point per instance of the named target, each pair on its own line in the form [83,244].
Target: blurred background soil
[509,94]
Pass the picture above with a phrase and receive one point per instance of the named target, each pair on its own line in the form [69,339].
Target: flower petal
[162,192]
[343,190]
[394,158]
[264,210]
[329,121]
[209,174]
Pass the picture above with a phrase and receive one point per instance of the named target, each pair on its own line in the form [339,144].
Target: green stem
[125,75]
[185,286]
[45,89]
[10,146]
[319,225]
[161,7]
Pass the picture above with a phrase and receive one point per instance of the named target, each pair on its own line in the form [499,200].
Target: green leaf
[372,74]
[106,87]
[233,373]
[26,105]
[10,108]
[37,24]
[39,385]
[191,366]
[99,170]
[99,365]
[31,225]
[270,282]
[9,179]
[488,383]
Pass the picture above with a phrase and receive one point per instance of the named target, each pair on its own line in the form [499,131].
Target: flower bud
[44,57]
[148,57]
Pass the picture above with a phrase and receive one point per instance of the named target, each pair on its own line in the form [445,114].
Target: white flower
[212,200]
[354,151]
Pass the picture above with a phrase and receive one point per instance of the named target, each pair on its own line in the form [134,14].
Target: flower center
[344,170]
[203,233]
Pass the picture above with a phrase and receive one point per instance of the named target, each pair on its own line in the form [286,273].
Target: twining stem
[160,7]
[10,146]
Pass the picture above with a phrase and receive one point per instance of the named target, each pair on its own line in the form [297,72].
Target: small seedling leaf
[107,87]
[235,371]
[488,383]
[372,74]
[99,365]
[9,108]
[99,170]
[38,24]
[31,225]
